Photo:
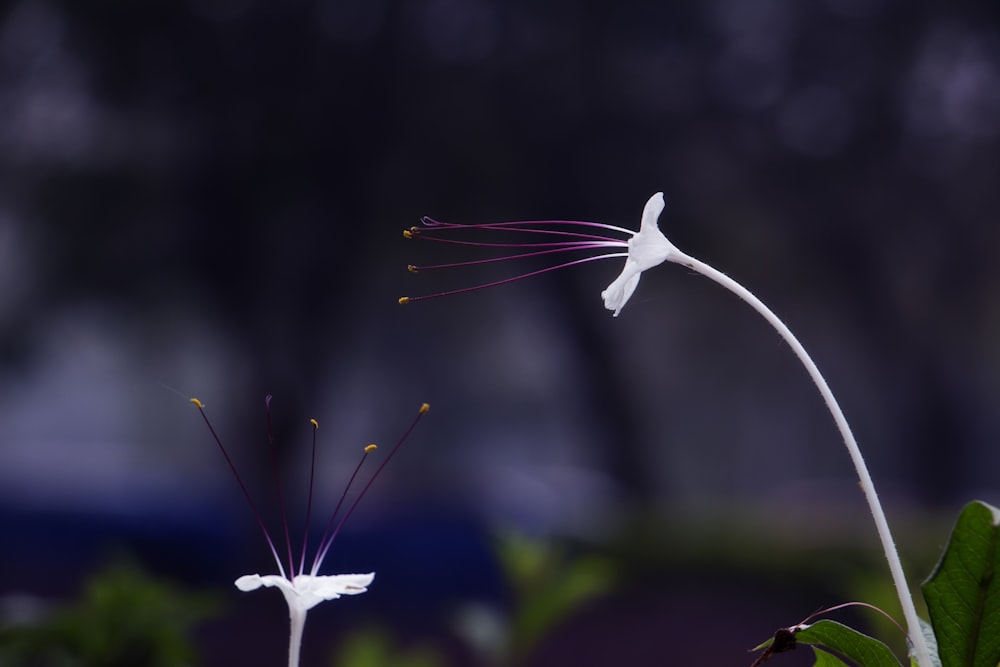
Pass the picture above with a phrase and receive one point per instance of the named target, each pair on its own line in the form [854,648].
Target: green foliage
[824,659]
[849,643]
[963,600]
[829,640]
[963,593]
[124,618]
[374,648]
[548,583]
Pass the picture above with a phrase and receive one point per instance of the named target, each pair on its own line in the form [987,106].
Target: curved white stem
[919,644]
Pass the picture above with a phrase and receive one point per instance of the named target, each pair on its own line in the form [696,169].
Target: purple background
[208,195]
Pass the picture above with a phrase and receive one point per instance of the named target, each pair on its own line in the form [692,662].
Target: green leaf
[578,581]
[550,582]
[824,659]
[963,593]
[853,645]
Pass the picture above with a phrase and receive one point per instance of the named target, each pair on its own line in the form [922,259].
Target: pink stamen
[309,502]
[333,515]
[581,242]
[331,532]
[576,246]
[239,480]
[593,241]
[474,288]
[321,554]
[277,484]
[543,225]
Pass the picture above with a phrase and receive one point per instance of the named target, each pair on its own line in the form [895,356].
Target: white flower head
[646,249]
[642,250]
[304,591]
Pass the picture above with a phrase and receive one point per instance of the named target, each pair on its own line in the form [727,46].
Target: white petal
[646,249]
[650,247]
[619,291]
[313,590]
[651,212]
[333,586]
[251,582]
[308,591]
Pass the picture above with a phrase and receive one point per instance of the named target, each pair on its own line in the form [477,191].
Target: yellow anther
[314,423]
[370,448]
[403,300]
[198,404]
[424,408]
[414,231]
[412,269]
[407,234]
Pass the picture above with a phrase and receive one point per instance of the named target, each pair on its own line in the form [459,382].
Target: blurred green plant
[124,618]
[373,647]
[548,582]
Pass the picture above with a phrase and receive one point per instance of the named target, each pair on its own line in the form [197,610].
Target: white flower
[303,591]
[306,591]
[555,239]
[646,249]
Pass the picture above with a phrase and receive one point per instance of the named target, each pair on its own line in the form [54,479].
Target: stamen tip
[198,404]
[407,234]
[424,408]
[314,423]
[412,268]
[370,448]
[403,300]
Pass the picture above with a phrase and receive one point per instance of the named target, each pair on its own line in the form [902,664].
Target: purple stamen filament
[324,543]
[844,605]
[530,226]
[277,484]
[312,476]
[550,251]
[584,242]
[328,536]
[513,279]
[246,494]
[325,546]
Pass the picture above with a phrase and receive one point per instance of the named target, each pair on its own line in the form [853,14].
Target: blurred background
[205,198]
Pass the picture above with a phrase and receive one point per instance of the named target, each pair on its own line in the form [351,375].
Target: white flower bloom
[303,591]
[646,249]
[558,238]
[307,591]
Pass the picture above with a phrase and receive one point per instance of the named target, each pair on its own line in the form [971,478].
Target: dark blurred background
[205,198]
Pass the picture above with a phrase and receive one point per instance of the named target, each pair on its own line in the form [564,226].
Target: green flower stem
[919,645]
